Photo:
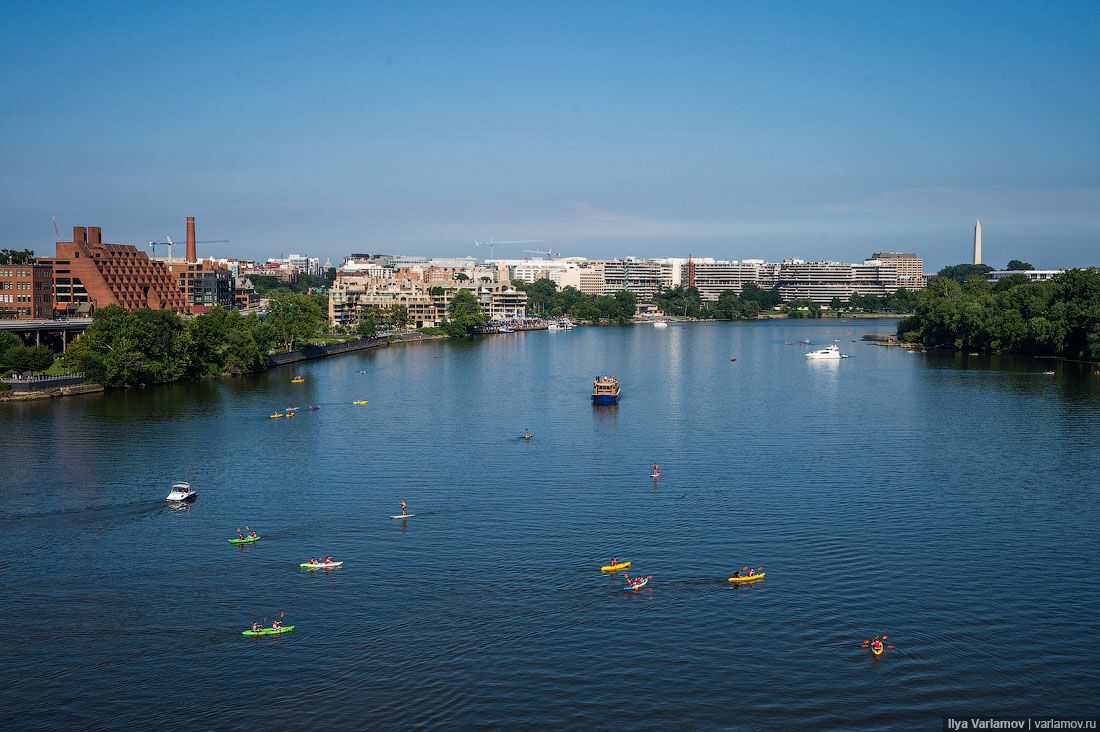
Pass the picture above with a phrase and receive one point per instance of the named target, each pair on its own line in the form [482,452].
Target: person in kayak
[736,573]
[404,510]
[876,644]
[312,560]
[251,533]
[276,624]
[256,627]
[527,434]
[239,534]
[613,562]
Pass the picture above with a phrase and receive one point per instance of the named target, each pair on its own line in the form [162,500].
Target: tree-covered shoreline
[1059,317]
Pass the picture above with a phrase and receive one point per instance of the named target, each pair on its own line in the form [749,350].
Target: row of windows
[16,286]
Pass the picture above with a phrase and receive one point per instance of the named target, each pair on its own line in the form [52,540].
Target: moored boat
[605,390]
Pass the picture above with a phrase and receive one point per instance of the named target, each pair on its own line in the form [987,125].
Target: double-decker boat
[605,390]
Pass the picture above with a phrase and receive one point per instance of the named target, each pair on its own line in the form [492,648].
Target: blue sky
[734,130]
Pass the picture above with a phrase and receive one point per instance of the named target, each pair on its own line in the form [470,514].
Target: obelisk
[977,242]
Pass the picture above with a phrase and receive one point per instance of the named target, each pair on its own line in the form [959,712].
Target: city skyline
[606,131]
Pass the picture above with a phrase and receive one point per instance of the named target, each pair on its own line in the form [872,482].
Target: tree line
[1059,317]
[122,347]
[544,298]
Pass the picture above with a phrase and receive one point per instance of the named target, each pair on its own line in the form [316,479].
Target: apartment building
[26,291]
[88,273]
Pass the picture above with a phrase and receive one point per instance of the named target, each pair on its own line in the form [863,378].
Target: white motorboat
[660,323]
[829,352]
[181,492]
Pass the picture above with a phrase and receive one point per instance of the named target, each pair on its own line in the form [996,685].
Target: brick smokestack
[192,255]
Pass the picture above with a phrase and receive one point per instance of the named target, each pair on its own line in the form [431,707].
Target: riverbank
[52,393]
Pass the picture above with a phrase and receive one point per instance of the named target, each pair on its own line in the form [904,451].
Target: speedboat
[829,352]
[181,492]
[660,323]
[506,329]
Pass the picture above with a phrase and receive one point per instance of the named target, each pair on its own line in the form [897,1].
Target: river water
[948,501]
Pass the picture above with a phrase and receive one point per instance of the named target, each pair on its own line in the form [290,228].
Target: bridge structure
[45,331]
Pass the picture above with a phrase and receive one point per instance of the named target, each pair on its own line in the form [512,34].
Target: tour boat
[605,390]
[181,492]
[828,352]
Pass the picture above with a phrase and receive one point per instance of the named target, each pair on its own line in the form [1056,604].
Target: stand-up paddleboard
[654,475]
[245,540]
[329,565]
[269,631]
[399,516]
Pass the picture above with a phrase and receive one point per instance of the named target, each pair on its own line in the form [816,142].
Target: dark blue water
[948,501]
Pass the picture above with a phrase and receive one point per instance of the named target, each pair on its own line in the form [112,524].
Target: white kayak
[405,516]
[315,565]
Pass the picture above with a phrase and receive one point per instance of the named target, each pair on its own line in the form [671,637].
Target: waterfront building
[711,278]
[910,268]
[26,291]
[585,277]
[88,274]
[643,277]
[353,298]
[820,282]
[1035,275]
[978,242]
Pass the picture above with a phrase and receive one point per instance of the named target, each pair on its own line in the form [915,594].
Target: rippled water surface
[947,501]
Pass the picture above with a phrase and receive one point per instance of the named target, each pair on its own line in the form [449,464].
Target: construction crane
[547,252]
[170,244]
[493,244]
[56,231]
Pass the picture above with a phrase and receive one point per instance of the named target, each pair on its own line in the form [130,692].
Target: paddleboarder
[404,511]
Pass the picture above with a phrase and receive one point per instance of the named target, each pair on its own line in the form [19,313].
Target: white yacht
[660,323]
[828,352]
[181,492]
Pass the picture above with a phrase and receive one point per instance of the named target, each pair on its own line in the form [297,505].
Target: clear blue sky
[736,129]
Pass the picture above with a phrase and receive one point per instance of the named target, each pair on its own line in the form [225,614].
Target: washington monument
[977,242]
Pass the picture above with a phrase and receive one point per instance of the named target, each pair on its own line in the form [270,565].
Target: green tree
[1015,265]
[294,318]
[8,341]
[16,256]
[29,358]
[225,342]
[463,314]
[461,276]
[836,304]
[962,272]
[367,327]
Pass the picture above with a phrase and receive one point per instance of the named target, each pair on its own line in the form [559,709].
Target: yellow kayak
[276,415]
[743,580]
[361,401]
[615,567]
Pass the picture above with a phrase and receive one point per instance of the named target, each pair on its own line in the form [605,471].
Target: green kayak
[269,631]
[245,540]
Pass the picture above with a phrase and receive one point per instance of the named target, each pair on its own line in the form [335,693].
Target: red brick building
[86,270]
[26,291]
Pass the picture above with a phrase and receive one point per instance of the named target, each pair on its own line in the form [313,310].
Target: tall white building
[978,242]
